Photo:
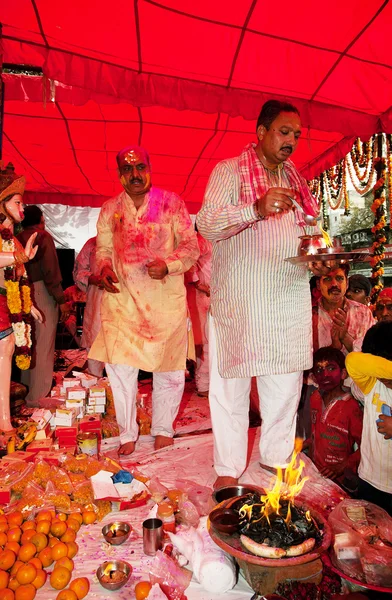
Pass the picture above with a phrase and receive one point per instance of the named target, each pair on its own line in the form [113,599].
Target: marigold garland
[19,304]
[378,229]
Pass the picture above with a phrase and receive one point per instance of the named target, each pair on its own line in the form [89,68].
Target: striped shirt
[261,304]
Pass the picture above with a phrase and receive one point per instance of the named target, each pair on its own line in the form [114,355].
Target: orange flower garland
[378,229]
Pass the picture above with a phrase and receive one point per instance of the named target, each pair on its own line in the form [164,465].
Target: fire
[107,570]
[286,486]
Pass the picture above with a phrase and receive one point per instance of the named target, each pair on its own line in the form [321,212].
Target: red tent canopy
[186,80]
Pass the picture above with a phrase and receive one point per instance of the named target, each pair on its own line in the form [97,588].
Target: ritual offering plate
[116,533]
[325,255]
[113,574]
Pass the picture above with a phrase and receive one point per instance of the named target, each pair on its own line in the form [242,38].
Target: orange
[69,535]
[13,583]
[142,589]
[3,518]
[77,516]
[40,541]
[59,550]
[25,592]
[3,538]
[73,524]
[66,562]
[62,516]
[15,518]
[73,549]
[15,567]
[4,577]
[26,574]
[27,551]
[60,578]
[14,546]
[14,534]
[4,526]
[28,525]
[36,562]
[81,587]
[58,528]
[26,536]
[66,595]
[43,515]
[43,526]
[7,559]
[46,557]
[53,541]
[40,579]
[7,594]
[88,517]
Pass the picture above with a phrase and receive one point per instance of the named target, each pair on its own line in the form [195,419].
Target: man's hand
[108,278]
[36,314]
[385,426]
[157,269]
[339,320]
[203,288]
[319,268]
[275,201]
[96,280]
[332,473]
[65,311]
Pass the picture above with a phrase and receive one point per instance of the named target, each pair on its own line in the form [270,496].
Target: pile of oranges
[30,547]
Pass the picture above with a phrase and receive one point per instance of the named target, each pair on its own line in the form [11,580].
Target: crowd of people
[157,288]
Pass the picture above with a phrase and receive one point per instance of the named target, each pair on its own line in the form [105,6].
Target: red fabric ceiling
[186,80]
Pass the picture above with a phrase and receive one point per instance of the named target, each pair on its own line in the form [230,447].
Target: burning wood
[271,525]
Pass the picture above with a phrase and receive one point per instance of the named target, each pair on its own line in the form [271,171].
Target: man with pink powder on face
[145,243]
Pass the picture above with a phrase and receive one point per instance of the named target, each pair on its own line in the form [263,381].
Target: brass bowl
[114,565]
[232,491]
[225,520]
[122,529]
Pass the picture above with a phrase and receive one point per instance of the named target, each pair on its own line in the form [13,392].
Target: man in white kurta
[260,322]
[145,243]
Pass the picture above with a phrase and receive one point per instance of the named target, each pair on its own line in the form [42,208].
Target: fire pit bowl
[116,533]
[232,491]
[232,543]
[114,574]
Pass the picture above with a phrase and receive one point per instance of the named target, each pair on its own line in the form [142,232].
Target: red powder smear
[148,307]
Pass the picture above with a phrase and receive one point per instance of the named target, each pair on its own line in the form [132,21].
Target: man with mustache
[260,322]
[337,320]
[383,310]
[145,243]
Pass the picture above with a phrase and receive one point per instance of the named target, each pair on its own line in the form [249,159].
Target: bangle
[259,216]
[20,258]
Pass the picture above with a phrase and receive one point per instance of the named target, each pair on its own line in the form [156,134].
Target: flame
[113,529]
[327,239]
[107,569]
[286,487]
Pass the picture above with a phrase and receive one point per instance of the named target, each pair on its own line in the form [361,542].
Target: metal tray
[341,257]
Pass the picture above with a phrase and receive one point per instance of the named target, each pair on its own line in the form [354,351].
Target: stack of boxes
[96,402]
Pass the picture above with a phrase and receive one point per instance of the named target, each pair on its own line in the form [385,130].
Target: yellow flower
[13,296]
[26,299]
[23,362]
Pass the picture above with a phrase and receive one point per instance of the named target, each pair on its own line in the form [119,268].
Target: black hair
[272,109]
[32,216]
[378,340]
[345,267]
[329,353]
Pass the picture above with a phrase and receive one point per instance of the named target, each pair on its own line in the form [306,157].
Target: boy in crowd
[336,419]
[371,370]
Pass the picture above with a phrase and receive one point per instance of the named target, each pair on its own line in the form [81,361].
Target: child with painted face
[371,370]
[336,419]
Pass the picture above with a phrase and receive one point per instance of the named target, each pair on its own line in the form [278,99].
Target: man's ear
[261,131]
[344,374]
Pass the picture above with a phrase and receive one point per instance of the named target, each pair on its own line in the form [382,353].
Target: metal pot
[311,244]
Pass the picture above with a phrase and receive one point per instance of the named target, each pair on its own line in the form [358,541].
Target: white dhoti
[167,393]
[229,403]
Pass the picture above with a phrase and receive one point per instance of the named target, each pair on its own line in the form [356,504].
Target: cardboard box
[77,404]
[69,382]
[90,423]
[43,434]
[72,430]
[64,417]
[86,379]
[97,392]
[22,455]
[5,494]
[51,456]
[42,417]
[91,410]
[76,393]
[39,445]
[96,400]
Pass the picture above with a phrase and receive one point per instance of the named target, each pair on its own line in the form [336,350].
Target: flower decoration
[19,304]
[378,229]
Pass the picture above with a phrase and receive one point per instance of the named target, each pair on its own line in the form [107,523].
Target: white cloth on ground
[229,404]
[212,567]
[167,393]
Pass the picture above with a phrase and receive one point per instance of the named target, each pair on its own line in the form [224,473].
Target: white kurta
[145,325]
[261,304]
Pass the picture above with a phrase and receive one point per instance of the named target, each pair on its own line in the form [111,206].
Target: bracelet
[20,258]
[259,216]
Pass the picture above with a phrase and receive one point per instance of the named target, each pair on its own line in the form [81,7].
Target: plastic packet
[83,493]
[157,490]
[19,484]
[59,477]
[199,495]
[363,541]
[102,508]
[33,497]
[60,500]
[172,578]
[41,472]
[187,512]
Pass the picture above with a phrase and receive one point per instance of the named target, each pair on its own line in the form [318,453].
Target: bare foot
[203,394]
[161,441]
[224,481]
[127,448]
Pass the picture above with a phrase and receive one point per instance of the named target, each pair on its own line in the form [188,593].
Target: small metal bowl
[114,565]
[225,520]
[122,530]
[231,491]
